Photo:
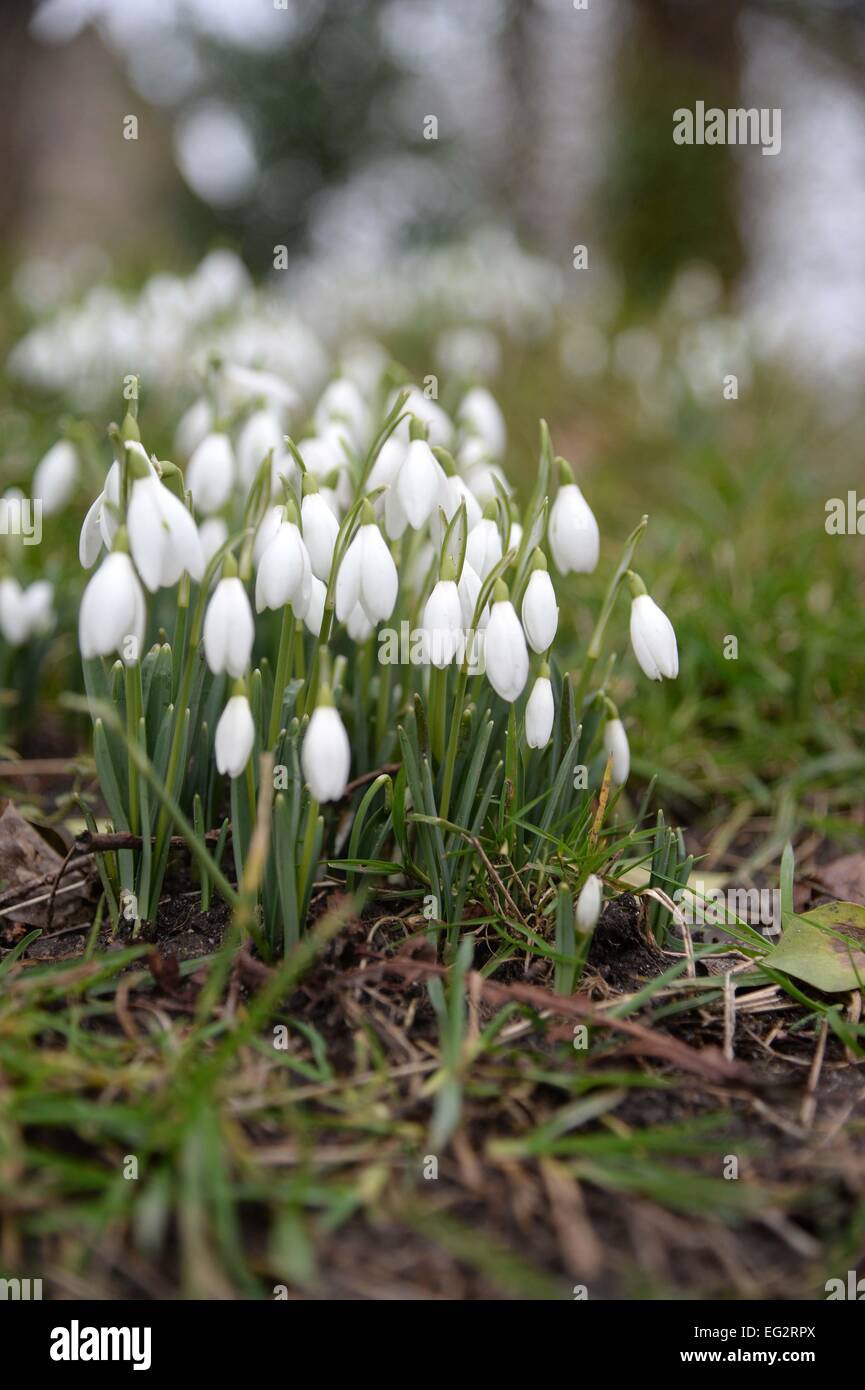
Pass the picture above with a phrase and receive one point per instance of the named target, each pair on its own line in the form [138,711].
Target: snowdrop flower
[515,536]
[367,574]
[112,613]
[358,625]
[229,627]
[616,746]
[540,711]
[442,623]
[480,413]
[326,753]
[652,635]
[341,403]
[484,546]
[55,477]
[482,479]
[235,734]
[469,588]
[573,530]
[210,474]
[395,519]
[284,572]
[505,651]
[452,492]
[240,385]
[539,611]
[100,523]
[261,433]
[163,537]
[25,613]
[270,524]
[320,529]
[589,904]
[194,424]
[418,483]
[314,614]
[212,533]
[387,463]
[437,421]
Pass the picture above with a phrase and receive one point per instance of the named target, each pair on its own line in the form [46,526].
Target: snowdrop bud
[320,529]
[212,533]
[442,623]
[235,735]
[540,712]
[505,651]
[573,532]
[315,611]
[284,572]
[652,636]
[25,613]
[484,546]
[540,613]
[193,425]
[418,483]
[55,476]
[481,415]
[163,537]
[229,627]
[616,745]
[210,475]
[326,753]
[112,613]
[589,904]
[367,574]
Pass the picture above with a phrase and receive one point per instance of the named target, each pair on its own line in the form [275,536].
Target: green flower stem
[306,852]
[134,703]
[283,672]
[597,638]
[453,739]
[437,688]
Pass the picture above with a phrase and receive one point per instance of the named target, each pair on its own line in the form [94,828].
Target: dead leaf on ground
[28,868]
[824,947]
[844,878]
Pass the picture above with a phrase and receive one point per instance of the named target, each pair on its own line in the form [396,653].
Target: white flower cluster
[350,524]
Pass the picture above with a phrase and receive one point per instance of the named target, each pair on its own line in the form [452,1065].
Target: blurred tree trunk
[668,203]
[14,45]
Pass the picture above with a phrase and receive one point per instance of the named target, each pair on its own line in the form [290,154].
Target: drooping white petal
[112,612]
[379,582]
[653,639]
[418,482]
[589,904]
[235,736]
[442,623]
[326,755]
[210,475]
[163,536]
[539,611]
[481,415]
[505,651]
[616,744]
[320,530]
[573,532]
[540,713]
[484,547]
[55,477]
[229,628]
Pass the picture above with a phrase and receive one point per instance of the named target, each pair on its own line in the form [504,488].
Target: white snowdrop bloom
[367,576]
[387,463]
[25,613]
[589,904]
[616,744]
[484,546]
[429,412]
[323,453]
[210,474]
[260,434]
[363,362]
[469,588]
[442,624]
[242,385]
[481,479]
[573,532]
[314,615]
[212,533]
[539,611]
[358,625]
[453,491]
[326,754]
[235,736]
[112,613]
[55,477]
[481,415]
[320,530]
[342,404]
[418,483]
[515,537]
[229,628]
[163,537]
[284,572]
[100,523]
[270,524]
[540,713]
[505,651]
[653,639]
[194,424]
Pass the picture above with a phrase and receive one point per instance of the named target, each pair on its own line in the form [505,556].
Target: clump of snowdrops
[337,647]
